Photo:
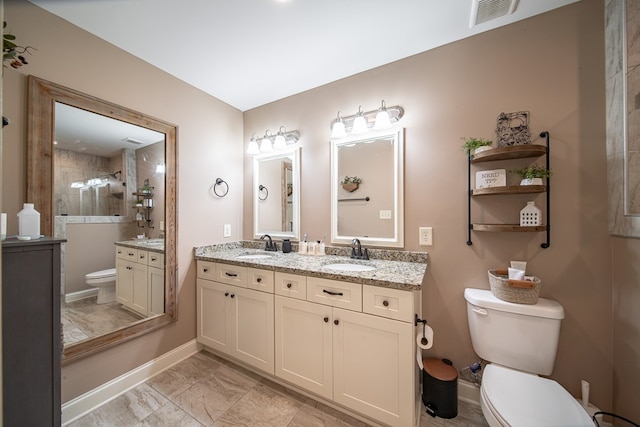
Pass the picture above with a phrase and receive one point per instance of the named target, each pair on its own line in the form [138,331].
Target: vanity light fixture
[160,168]
[270,142]
[382,118]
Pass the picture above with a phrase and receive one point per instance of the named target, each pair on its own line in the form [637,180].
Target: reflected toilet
[105,282]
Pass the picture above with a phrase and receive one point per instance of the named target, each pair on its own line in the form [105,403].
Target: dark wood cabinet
[31,341]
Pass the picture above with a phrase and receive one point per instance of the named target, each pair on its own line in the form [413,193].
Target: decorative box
[530,215]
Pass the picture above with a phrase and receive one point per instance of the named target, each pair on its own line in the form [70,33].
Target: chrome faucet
[356,250]
[270,245]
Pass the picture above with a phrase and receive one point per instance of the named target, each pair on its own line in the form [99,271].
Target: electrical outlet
[227,230]
[385,214]
[426,236]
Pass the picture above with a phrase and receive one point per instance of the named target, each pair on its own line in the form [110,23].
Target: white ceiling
[251,52]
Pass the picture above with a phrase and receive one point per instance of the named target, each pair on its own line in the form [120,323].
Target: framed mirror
[371,208]
[88,160]
[276,194]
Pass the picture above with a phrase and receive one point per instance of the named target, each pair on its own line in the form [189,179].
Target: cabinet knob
[289,285]
[153,258]
[205,270]
[326,319]
[385,303]
[226,294]
[259,279]
[233,295]
[336,322]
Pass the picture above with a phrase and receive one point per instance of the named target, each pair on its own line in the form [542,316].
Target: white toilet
[105,281]
[520,342]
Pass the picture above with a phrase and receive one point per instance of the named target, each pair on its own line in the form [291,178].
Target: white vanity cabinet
[364,362]
[139,280]
[235,312]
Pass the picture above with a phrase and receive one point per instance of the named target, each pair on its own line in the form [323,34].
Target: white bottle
[29,222]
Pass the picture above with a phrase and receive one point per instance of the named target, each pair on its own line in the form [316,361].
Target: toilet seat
[102,276]
[516,398]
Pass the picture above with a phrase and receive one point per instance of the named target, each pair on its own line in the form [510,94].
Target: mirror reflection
[367,188]
[104,178]
[108,174]
[276,179]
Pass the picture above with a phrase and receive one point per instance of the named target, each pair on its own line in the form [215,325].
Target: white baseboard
[78,295]
[468,392]
[82,405]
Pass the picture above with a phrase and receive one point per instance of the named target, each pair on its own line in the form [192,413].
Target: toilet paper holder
[424,339]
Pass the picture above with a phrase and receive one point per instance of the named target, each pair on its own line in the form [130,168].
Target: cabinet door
[373,366]
[303,344]
[252,325]
[124,282]
[155,280]
[140,301]
[214,315]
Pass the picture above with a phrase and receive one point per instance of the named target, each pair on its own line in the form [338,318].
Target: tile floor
[204,390]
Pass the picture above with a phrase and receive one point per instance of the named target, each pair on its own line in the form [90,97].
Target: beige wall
[551,65]
[209,146]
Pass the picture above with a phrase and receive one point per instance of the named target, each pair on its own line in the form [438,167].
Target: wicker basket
[516,291]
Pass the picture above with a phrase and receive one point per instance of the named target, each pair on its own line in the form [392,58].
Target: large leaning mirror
[367,189]
[276,194]
[103,177]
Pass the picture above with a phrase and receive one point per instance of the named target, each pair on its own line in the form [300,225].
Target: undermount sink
[349,267]
[253,256]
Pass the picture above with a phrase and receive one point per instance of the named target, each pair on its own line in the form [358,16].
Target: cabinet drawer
[260,280]
[291,285]
[386,302]
[335,293]
[231,274]
[156,259]
[122,252]
[142,257]
[206,270]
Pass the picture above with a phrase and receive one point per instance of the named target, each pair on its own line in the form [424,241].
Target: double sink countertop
[391,268]
[153,245]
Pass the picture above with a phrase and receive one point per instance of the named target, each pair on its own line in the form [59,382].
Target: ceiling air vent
[486,10]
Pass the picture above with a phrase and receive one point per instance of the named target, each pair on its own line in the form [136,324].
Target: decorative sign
[492,178]
[513,129]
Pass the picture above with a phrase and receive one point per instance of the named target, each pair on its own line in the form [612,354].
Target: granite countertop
[394,269]
[153,245]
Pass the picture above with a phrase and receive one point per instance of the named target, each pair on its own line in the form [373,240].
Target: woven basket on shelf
[511,290]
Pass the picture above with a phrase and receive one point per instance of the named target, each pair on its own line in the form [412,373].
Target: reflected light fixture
[160,168]
[359,123]
[270,142]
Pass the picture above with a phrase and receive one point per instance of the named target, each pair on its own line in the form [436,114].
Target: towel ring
[214,187]
[261,189]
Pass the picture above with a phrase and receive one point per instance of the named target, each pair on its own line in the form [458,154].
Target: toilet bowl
[519,342]
[105,282]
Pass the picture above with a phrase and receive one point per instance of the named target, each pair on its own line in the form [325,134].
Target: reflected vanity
[373,212]
[120,186]
[276,194]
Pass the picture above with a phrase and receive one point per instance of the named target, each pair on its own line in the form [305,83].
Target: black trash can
[440,388]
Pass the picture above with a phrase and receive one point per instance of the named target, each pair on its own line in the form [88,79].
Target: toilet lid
[522,399]
[101,274]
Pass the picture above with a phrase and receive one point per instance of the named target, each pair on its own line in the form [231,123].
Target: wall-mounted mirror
[276,190]
[372,208]
[99,174]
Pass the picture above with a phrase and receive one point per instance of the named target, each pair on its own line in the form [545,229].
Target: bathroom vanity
[140,276]
[340,330]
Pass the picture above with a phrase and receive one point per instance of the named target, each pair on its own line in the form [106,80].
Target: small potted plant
[351,183]
[475,145]
[532,174]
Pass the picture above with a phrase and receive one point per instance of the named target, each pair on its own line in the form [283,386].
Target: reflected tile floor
[85,318]
[205,390]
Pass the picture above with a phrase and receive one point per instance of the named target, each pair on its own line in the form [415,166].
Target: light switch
[227,230]
[385,214]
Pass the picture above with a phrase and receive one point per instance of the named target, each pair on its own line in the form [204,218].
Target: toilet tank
[518,336]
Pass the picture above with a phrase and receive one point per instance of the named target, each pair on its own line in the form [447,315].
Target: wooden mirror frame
[40,133]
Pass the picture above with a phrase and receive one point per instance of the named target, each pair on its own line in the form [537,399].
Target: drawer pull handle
[153,258]
[332,293]
[233,295]
[259,279]
[205,270]
[131,254]
[226,294]
[289,285]
[385,303]
[231,274]
[336,322]
[326,319]
[128,268]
